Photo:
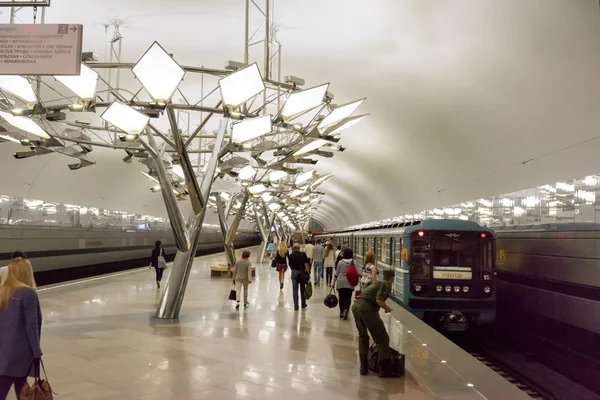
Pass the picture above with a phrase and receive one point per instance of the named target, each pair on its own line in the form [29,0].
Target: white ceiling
[460,92]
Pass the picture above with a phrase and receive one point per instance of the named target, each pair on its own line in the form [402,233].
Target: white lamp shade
[351,121]
[178,170]
[296,192]
[18,86]
[305,176]
[10,139]
[267,196]
[250,129]
[302,101]
[280,214]
[247,172]
[241,86]
[274,206]
[311,147]
[341,112]
[277,175]
[321,180]
[126,118]
[158,73]
[305,198]
[83,85]
[24,124]
[256,189]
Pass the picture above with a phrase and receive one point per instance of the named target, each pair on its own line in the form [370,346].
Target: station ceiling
[467,98]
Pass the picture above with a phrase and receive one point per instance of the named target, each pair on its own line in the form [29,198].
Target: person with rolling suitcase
[367,319]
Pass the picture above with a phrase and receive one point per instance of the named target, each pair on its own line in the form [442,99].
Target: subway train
[548,289]
[62,254]
[445,269]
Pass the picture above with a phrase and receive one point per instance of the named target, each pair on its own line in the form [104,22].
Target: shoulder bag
[40,390]
[162,263]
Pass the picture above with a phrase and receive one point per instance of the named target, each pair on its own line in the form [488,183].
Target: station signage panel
[40,49]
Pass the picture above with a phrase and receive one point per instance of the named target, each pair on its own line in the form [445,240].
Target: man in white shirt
[308,249]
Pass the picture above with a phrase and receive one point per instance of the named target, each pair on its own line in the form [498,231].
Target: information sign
[42,49]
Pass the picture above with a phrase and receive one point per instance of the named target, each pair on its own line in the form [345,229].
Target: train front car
[449,274]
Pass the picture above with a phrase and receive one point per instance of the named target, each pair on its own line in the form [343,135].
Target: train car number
[452,275]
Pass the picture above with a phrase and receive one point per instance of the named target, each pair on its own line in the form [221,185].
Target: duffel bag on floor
[308,291]
[397,360]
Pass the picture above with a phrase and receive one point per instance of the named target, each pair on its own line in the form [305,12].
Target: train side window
[383,250]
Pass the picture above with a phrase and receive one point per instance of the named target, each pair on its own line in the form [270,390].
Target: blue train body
[445,269]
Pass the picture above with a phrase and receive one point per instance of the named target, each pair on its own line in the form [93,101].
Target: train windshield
[461,259]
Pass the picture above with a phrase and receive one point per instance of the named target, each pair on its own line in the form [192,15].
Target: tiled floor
[101,341]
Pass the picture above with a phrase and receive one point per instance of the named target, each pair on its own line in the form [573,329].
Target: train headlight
[438,288]
[487,289]
[486,277]
[457,289]
[448,289]
[418,288]
[466,289]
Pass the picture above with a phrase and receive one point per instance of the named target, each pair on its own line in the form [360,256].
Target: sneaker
[345,315]
[246,304]
[158,284]
[281,286]
[341,315]
[304,306]
[237,307]
[296,308]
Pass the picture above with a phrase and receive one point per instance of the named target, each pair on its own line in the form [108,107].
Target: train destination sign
[42,49]
[452,273]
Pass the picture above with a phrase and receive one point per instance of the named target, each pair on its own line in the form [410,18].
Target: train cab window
[420,264]
[487,257]
[454,253]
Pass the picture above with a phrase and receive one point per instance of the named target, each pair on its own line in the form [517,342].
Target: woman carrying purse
[20,327]
[158,261]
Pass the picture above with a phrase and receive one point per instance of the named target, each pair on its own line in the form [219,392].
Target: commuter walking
[308,249]
[20,327]
[342,284]
[299,264]
[329,262]
[242,276]
[270,248]
[367,319]
[158,261]
[281,258]
[317,257]
[369,271]
[338,255]
[4,270]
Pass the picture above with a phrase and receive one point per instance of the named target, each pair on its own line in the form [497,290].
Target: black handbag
[303,278]
[331,300]
[273,264]
[396,360]
[233,294]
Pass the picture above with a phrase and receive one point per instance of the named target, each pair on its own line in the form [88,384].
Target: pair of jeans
[318,268]
[345,296]
[298,286]
[329,274]
[159,273]
[7,381]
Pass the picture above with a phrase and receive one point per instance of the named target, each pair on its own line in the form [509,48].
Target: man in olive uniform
[366,315]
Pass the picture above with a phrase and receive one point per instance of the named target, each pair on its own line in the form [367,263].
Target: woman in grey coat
[20,327]
[340,282]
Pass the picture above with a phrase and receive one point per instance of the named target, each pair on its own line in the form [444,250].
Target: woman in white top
[329,262]
[369,270]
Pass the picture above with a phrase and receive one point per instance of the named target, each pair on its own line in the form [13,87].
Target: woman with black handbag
[280,260]
[20,327]
[158,261]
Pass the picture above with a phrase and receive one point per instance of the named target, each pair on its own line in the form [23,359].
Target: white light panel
[250,129]
[256,189]
[296,192]
[341,112]
[302,101]
[18,86]
[247,172]
[158,73]
[126,118]
[24,124]
[241,86]
[350,122]
[277,175]
[83,85]
[267,197]
[274,206]
[305,176]
[311,147]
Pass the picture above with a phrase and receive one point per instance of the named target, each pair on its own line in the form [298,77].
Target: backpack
[352,274]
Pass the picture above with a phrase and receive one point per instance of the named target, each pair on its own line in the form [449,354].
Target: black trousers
[7,381]
[159,273]
[329,274]
[345,296]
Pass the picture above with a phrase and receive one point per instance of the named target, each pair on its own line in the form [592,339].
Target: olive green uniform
[366,316]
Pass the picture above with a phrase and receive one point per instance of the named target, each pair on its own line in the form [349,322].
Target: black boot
[364,364]
[385,369]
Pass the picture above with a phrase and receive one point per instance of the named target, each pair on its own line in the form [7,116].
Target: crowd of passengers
[21,317]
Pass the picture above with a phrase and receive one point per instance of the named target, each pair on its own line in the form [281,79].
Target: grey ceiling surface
[467,98]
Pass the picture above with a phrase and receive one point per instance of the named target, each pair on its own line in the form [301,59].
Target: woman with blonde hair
[369,271]
[20,327]
[281,261]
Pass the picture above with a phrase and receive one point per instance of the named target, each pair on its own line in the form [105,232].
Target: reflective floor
[101,341]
